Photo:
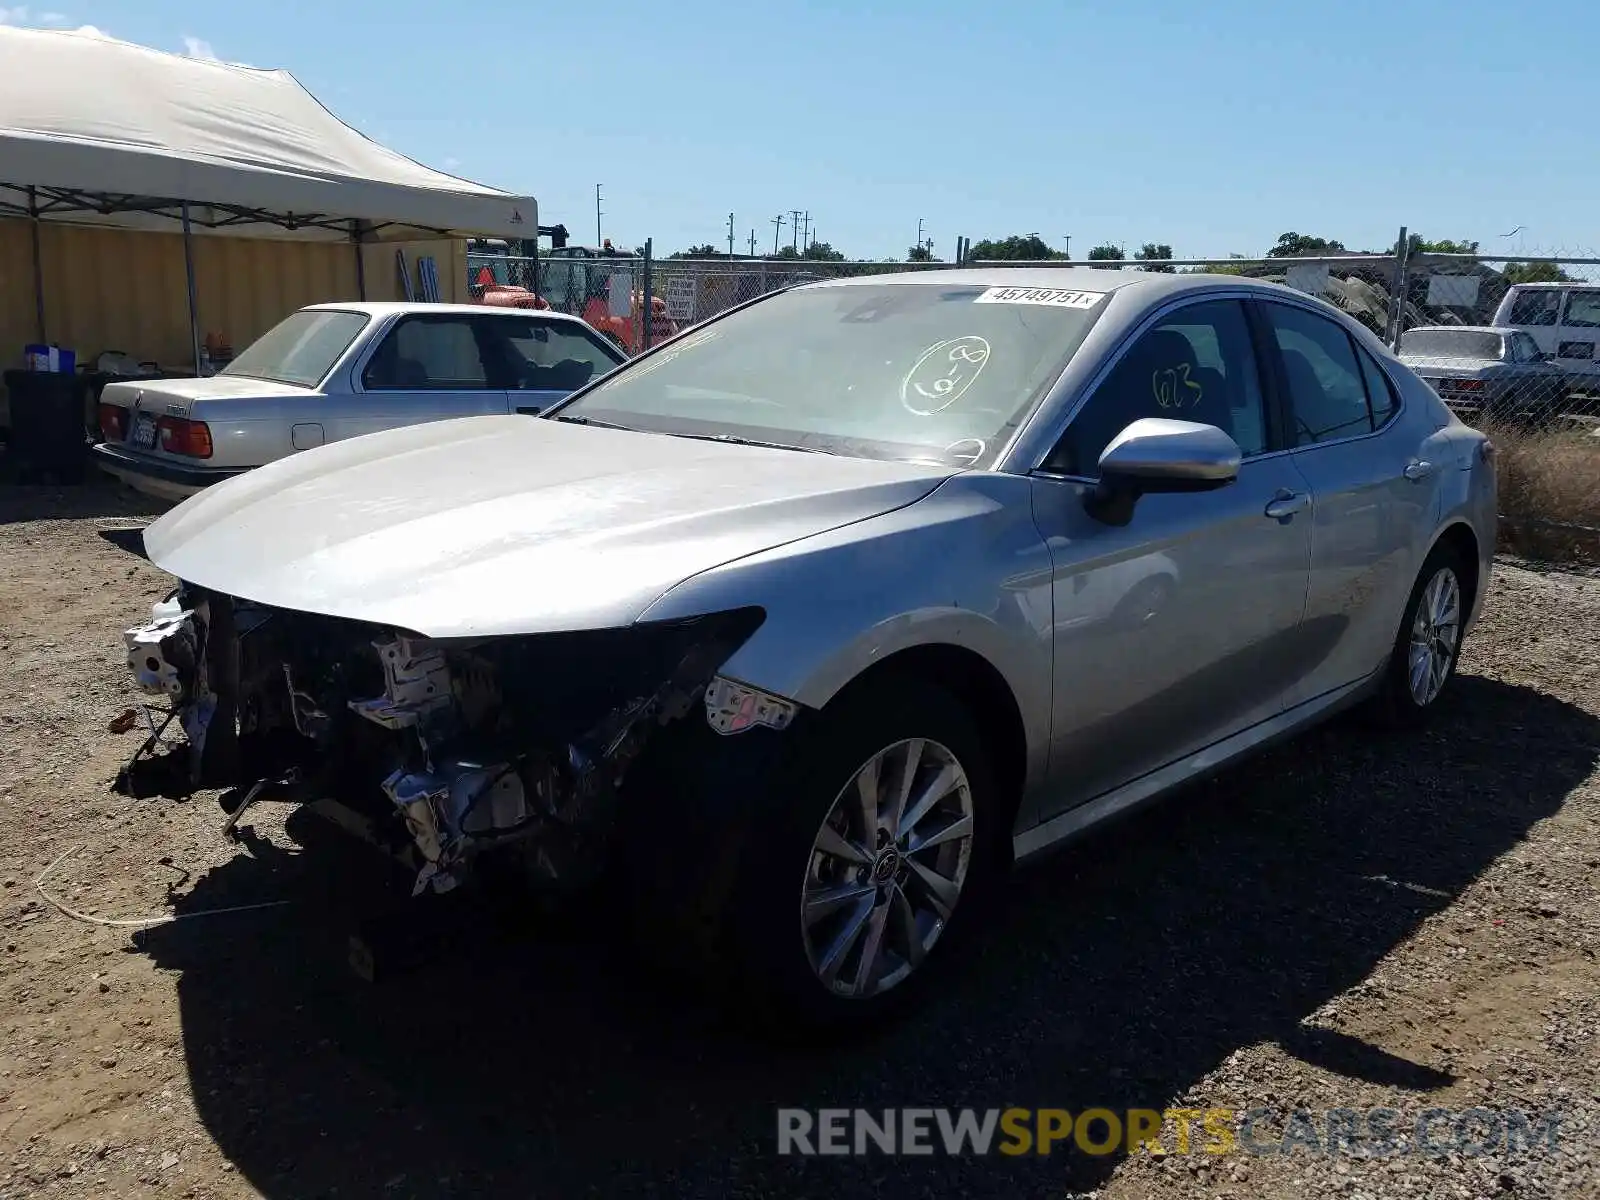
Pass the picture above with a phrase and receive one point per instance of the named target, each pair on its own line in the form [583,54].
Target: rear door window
[1381,396]
[1327,389]
[428,353]
[1524,348]
[543,355]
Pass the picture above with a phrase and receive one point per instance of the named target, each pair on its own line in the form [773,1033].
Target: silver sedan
[336,371]
[804,626]
[1486,371]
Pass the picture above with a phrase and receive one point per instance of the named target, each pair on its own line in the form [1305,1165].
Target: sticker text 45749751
[1052,297]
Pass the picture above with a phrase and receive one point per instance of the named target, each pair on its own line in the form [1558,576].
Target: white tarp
[83,113]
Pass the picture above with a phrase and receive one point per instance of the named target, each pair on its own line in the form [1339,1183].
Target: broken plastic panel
[733,707]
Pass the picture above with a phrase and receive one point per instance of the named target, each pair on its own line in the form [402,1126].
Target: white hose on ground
[133,922]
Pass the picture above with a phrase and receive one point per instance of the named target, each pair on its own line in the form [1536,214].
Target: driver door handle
[1286,504]
[1418,470]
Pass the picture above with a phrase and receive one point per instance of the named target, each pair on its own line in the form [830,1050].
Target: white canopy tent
[96,131]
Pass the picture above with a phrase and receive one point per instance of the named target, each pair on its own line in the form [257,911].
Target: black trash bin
[47,430]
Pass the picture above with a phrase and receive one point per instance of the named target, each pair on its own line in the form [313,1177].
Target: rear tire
[1427,645]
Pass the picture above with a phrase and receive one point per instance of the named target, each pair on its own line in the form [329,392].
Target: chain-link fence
[604,288]
[1507,341]
[1513,340]
[696,290]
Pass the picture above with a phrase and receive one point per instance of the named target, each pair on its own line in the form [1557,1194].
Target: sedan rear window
[1451,343]
[914,371]
[300,349]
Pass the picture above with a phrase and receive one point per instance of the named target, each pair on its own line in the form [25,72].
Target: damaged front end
[441,749]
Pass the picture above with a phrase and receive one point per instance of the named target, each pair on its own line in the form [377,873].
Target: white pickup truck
[336,371]
[1563,319]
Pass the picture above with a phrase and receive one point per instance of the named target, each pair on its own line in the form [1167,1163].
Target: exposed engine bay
[452,747]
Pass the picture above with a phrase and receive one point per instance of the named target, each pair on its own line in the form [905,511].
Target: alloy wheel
[1435,633]
[887,868]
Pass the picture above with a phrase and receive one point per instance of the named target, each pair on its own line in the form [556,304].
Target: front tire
[1428,645]
[869,869]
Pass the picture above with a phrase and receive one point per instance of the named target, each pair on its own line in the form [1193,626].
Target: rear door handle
[1418,470]
[1286,504]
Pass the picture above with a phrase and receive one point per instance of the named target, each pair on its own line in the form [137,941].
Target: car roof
[374,308]
[1151,285]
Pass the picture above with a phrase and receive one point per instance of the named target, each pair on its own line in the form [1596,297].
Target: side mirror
[1157,455]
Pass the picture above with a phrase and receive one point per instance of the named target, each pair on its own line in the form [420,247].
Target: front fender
[963,567]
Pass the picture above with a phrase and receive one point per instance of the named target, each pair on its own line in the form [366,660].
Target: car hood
[485,526]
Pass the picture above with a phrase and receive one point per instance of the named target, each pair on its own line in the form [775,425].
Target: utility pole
[752,243]
[730,235]
[777,227]
[919,232]
[1066,240]
[597,241]
[805,236]
[794,233]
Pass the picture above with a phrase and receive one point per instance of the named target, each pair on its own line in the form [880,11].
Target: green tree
[705,251]
[1227,268]
[822,252]
[1303,245]
[919,254]
[1420,245]
[1106,252]
[1016,248]
[1155,250]
[1535,272]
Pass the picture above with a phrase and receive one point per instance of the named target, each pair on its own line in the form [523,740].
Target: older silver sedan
[1485,371]
[336,371]
[804,626]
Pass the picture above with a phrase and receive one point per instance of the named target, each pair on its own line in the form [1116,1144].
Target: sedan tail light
[179,435]
[113,422]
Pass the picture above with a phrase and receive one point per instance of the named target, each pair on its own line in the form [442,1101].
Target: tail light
[113,422]
[179,435]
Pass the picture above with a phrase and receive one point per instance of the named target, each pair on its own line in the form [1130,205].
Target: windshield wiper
[591,421]
[731,440]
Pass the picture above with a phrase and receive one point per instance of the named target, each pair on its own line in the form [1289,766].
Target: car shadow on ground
[97,496]
[1117,974]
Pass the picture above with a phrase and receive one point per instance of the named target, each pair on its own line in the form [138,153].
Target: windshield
[299,349]
[917,371]
[1451,343]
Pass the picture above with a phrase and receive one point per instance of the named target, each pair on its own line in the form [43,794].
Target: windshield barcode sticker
[1054,297]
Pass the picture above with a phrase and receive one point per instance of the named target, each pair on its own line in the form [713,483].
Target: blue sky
[1210,126]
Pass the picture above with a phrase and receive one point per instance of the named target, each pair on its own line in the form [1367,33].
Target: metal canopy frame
[38,203]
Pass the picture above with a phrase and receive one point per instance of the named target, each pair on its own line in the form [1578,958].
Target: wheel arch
[1462,540]
[986,694]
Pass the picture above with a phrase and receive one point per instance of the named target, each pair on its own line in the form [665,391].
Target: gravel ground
[1350,921]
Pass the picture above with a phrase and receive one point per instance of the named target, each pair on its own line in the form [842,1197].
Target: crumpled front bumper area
[444,748]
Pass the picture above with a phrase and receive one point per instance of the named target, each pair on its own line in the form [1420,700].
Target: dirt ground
[1359,921]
